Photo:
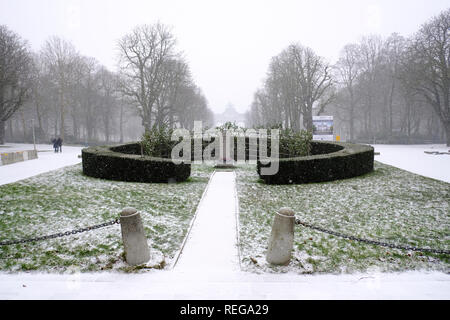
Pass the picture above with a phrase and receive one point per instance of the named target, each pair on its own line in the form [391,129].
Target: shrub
[329,161]
[157,142]
[295,143]
[291,144]
[125,163]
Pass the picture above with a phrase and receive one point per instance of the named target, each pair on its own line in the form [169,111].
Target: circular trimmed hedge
[329,161]
[125,163]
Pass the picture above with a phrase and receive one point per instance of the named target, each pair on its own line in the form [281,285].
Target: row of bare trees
[298,80]
[392,90]
[73,96]
[15,80]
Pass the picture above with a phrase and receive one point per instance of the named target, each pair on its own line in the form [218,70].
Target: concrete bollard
[282,237]
[133,236]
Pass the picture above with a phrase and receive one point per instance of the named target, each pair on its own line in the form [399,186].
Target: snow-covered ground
[204,282]
[177,285]
[212,242]
[47,160]
[414,159]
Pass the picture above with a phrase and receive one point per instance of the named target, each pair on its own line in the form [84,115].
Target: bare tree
[142,54]
[175,74]
[90,100]
[371,54]
[192,106]
[41,97]
[394,50]
[61,59]
[281,95]
[108,99]
[348,71]
[298,81]
[431,48]
[15,70]
[314,79]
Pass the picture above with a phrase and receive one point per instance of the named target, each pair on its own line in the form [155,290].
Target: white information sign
[323,128]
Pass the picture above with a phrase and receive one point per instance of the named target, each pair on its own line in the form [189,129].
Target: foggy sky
[228,44]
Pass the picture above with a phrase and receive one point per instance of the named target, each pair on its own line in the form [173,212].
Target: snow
[47,160]
[175,285]
[208,264]
[413,158]
[212,241]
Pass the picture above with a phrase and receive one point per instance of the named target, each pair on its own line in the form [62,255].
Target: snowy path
[47,160]
[413,158]
[211,246]
[174,285]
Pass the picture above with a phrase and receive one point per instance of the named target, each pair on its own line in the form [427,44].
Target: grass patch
[65,199]
[389,204]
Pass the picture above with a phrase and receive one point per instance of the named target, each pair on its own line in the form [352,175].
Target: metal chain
[373,242]
[60,234]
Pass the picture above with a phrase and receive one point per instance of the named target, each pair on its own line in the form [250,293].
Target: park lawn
[65,199]
[389,204]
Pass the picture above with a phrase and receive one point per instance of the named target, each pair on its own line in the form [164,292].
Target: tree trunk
[352,114]
[107,133]
[369,121]
[24,126]
[352,122]
[62,129]
[56,127]
[2,132]
[89,129]
[391,111]
[10,127]
[147,119]
[447,132]
[75,127]
[39,116]
[307,119]
[121,123]
[286,119]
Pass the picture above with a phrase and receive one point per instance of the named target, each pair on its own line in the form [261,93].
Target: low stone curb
[13,157]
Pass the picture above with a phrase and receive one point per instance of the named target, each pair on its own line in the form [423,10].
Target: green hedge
[329,161]
[298,149]
[125,163]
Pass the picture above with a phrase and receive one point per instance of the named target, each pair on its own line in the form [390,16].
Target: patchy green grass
[65,199]
[389,205]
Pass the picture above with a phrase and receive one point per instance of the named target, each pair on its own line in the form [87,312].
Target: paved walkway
[47,160]
[177,285]
[211,245]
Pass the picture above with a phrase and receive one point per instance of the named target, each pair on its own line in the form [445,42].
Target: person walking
[55,144]
[59,144]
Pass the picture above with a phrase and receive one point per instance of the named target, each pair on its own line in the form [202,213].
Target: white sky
[228,44]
